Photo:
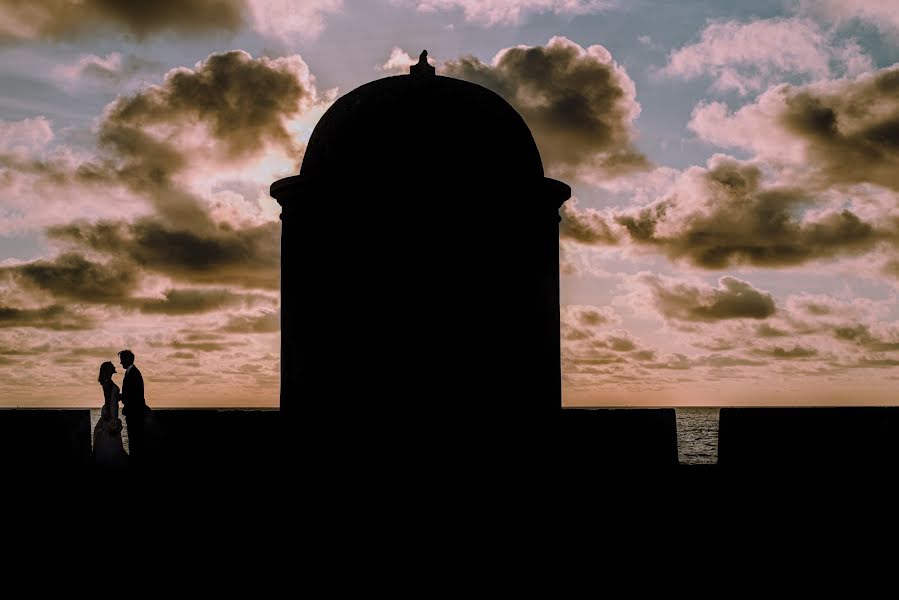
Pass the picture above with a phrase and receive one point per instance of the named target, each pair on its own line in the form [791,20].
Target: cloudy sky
[733,236]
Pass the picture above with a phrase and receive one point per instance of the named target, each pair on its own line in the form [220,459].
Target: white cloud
[638,188]
[749,128]
[839,131]
[112,68]
[399,62]
[646,40]
[578,260]
[882,14]
[43,184]
[748,57]
[36,193]
[508,12]
[288,19]
[856,61]
[579,103]
[26,137]
[109,66]
[64,19]
[697,302]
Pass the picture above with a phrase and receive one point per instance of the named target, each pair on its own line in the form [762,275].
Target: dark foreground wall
[44,440]
[246,441]
[807,440]
[202,441]
[618,438]
[180,442]
[206,440]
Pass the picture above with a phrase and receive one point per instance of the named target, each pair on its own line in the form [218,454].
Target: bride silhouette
[109,453]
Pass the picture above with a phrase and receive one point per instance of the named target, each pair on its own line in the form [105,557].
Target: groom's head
[126,357]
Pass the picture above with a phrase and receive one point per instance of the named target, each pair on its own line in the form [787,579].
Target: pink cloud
[882,14]
[579,103]
[836,131]
[288,19]
[747,57]
[509,12]
[283,19]
[25,138]
[399,61]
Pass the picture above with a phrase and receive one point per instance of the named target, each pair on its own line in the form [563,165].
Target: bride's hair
[106,371]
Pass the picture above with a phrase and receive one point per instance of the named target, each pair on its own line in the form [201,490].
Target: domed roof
[422,126]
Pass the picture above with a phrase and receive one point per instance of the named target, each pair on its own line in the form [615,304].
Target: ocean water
[697,435]
[95,417]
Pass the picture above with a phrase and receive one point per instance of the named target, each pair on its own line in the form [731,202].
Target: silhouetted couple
[109,451]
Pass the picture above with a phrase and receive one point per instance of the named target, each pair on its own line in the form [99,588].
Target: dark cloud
[588,226]
[732,299]
[891,268]
[581,322]
[716,344]
[722,216]
[248,257]
[676,362]
[594,317]
[109,353]
[69,360]
[830,133]
[764,330]
[243,105]
[576,364]
[244,102]
[618,341]
[182,356]
[877,363]
[62,19]
[71,276]
[225,111]
[18,351]
[201,346]
[263,322]
[813,308]
[681,362]
[644,355]
[796,351]
[579,104]
[850,127]
[573,334]
[862,336]
[58,171]
[722,361]
[202,337]
[54,317]
[853,333]
[587,343]
[193,301]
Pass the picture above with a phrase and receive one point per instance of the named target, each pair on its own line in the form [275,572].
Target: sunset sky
[733,235]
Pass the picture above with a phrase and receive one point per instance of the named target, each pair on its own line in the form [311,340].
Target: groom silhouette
[134,406]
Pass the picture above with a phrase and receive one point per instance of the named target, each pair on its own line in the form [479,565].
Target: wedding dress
[109,452]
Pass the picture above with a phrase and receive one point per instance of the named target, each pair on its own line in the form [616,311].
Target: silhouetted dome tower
[421,126]
[420,273]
